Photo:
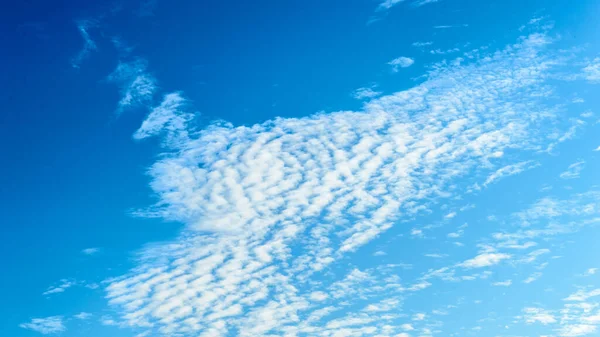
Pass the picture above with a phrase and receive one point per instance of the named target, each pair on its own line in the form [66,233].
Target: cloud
[270,209]
[83,316]
[591,271]
[90,251]
[573,170]
[137,86]
[510,170]
[422,44]
[538,315]
[485,260]
[450,26]
[387,4]
[506,283]
[46,326]
[401,62]
[592,71]
[89,45]
[597,149]
[65,284]
[419,3]
[365,93]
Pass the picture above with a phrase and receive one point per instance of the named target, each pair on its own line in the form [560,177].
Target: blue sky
[300,168]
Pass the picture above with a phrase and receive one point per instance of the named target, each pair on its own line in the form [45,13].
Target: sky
[397,168]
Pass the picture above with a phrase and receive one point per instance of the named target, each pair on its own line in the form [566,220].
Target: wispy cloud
[88,44]
[387,4]
[573,171]
[46,326]
[365,93]
[450,26]
[419,3]
[510,170]
[65,284]
[90,251]
[401,62]
[83,316]
[506,283]
[136,84]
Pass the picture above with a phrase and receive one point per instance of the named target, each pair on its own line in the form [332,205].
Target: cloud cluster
[269,208]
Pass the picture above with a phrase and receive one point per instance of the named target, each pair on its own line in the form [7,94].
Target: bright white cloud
[269,207]
[485,260]
[46,326]
[401,62]
[506,283]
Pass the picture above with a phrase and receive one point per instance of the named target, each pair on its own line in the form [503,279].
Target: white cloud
[365,93]
[419,3]
[268,207]
[83,315]
[485,260]
[419,44]
[90,251]
[418,317]
[65,284]
[532,278]
[597,149]
[510,170]
[573,170]
[575,330]
[137,86]
[46,326]
[506,283]
[538,315]
[592,71]
[591,271]
[401,62]
[387,4]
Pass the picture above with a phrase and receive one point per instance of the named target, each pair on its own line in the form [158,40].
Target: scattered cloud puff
[506,283]
[89,45]
[401,62]
[485,260]
[46,326]
[365,93]
[510,170]
[90,251]
[592,71]
[533,315]
[419,44]
[83,316]
[65,284]
[591,271]
[573,171]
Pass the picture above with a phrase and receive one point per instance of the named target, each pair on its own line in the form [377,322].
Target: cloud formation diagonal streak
[268,207]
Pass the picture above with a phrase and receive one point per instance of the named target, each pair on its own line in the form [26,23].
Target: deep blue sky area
[72,175]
